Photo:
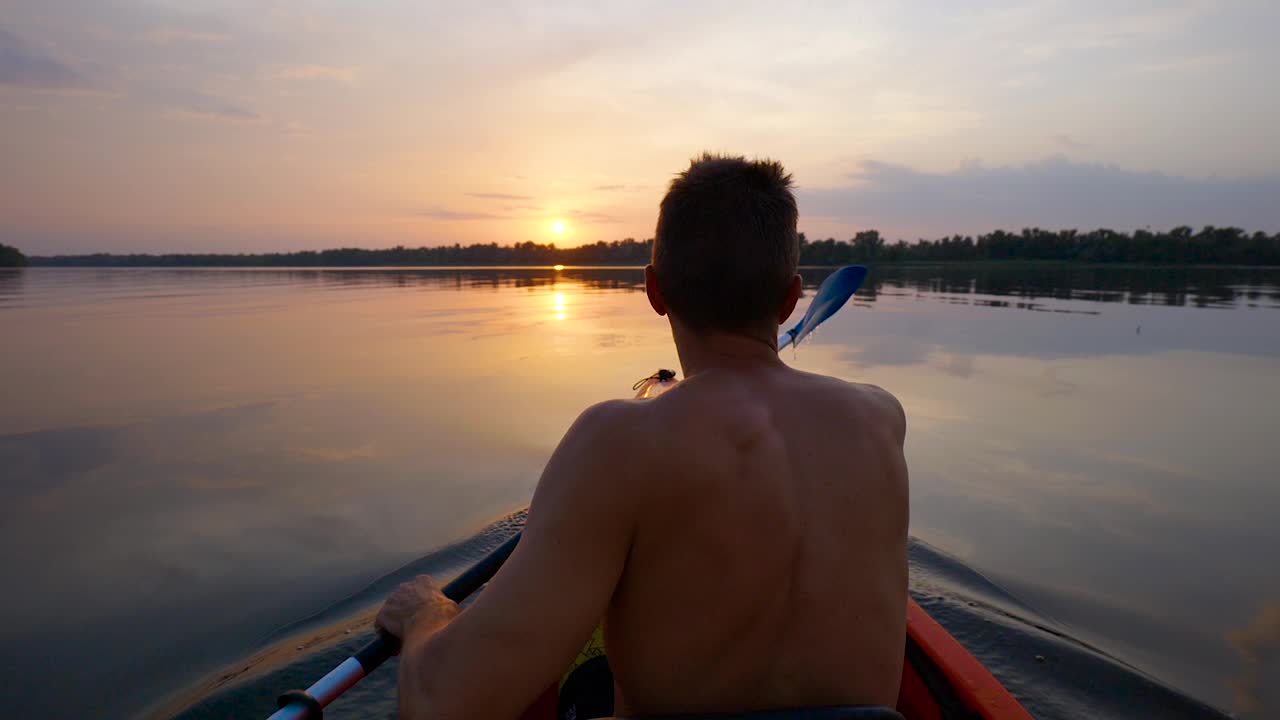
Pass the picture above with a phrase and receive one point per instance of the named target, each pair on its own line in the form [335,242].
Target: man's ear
[654,292]
[793,297]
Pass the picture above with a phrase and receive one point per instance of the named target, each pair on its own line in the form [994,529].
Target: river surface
[197,466]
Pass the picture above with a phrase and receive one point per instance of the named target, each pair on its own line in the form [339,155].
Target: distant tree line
[1179,246]
[11,257]
[627,252]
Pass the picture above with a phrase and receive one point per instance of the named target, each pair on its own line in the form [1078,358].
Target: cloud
[367,451]
[1053,193]
[1043,31]
[439,213]
[299,131]
[499,196]
[1194,63]
[204,106]
[344,75]
[23,66]
[618,188]
[447,214]
[1259,645]
[173,36]
[592,217]
[1068,142]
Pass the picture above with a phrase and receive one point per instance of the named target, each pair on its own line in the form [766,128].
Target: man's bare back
[743,535]
[768,563]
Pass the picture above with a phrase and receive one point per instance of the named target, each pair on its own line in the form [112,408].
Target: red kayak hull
[941,680]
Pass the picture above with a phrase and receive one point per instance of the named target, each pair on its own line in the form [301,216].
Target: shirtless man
[743,535]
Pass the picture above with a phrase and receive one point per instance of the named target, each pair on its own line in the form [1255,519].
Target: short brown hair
[726,250]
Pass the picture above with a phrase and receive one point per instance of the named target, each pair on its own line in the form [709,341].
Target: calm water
[191,460]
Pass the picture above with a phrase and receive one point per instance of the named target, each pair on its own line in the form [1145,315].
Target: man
[743,535]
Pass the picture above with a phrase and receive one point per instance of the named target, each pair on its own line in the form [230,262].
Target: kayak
[941,680]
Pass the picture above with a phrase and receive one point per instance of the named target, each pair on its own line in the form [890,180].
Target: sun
[557,227]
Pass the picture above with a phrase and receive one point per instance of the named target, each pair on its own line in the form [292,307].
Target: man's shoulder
[585,464]
[608,415]
[846,389]
[879,397]
[610,429]
[862,400]
[601,424]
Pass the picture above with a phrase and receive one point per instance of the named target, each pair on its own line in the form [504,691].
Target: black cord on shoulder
[660,376]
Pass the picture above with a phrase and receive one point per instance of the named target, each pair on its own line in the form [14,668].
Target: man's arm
[499,654]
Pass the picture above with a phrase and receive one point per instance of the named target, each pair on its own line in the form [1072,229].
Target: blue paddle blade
[832,294]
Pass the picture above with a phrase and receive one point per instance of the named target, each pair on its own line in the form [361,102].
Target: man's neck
[718,350]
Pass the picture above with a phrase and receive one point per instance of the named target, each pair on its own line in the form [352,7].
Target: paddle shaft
[832,294]
[301,704]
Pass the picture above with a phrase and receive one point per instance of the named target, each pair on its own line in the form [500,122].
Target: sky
[248,126]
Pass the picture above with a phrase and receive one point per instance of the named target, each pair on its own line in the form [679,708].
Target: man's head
[726,250]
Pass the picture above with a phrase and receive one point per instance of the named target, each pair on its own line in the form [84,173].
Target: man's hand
[417,605]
